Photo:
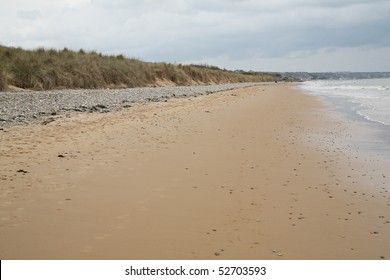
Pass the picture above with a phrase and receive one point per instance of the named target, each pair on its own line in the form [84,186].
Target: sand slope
[244,174]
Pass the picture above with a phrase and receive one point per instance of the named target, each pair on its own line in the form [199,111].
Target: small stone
[217,254]
[49,120]
[61,156]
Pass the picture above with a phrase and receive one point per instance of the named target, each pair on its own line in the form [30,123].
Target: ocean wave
[368,98]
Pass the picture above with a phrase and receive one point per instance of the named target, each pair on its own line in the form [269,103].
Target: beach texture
[264,172]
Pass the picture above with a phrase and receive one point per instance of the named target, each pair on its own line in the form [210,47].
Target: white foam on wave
[369,98]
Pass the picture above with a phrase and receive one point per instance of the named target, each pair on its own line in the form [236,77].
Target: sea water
[367,137]
[368,98]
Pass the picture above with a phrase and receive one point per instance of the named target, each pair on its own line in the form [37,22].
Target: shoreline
[376,136]
[43,107]
[257,173]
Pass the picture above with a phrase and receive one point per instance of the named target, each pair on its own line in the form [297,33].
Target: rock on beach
[23,108]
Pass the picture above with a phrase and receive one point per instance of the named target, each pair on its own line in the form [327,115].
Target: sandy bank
[245,174]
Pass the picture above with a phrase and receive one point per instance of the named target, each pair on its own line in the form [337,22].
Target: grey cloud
[177,30]
[28,14]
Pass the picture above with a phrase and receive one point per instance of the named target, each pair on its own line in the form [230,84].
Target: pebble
[22,108]
[45,122]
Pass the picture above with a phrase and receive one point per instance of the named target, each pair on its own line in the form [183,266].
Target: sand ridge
[243,174]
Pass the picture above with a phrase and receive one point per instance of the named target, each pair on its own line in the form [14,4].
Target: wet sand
[260,173]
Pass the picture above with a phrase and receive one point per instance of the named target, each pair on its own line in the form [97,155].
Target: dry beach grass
[42,69]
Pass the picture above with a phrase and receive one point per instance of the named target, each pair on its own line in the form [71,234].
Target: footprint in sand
[101,237]
[87,249]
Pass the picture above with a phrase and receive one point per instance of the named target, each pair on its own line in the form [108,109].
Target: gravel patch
[32,107]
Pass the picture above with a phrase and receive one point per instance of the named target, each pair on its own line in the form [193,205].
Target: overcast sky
[260,35]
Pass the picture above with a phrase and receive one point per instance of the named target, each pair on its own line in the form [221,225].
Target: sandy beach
[265,172]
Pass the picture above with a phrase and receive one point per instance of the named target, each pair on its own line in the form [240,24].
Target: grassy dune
[43,69]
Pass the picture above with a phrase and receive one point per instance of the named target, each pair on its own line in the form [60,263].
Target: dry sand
[259,173]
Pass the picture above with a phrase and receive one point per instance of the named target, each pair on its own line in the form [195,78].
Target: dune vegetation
[43,69]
